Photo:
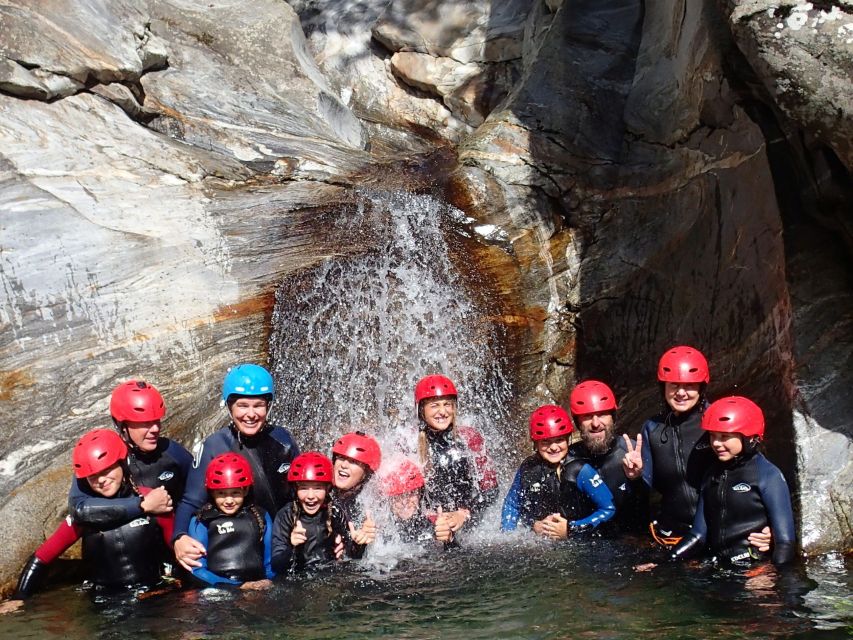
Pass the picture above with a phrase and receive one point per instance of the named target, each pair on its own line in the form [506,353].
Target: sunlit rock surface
[636,174]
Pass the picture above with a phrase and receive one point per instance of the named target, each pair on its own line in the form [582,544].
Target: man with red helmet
[554,493]
[459,475]
[153,461]
[356,457]
[742,492]
[305,533]
[236,533]
[593,407]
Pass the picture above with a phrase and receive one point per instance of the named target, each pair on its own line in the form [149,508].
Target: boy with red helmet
[356,457]
[741,493]
[236,533]
[403,484]
[305,535]
[553,493]
[460,480]
[116,557]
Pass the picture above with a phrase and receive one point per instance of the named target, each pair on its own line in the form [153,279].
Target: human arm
[198,532]
[268,568]
[188,550]
[281,549]
[694,542]
[592,484]
[66,534]
[646,455]
[632,461]
[511,511]
[777,502]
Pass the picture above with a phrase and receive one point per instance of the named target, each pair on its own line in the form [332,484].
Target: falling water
[352,336]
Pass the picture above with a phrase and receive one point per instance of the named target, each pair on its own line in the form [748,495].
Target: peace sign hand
[632,462]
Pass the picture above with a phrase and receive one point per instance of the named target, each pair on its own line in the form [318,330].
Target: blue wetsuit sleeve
[777,502]
[183,457]
[99,512]
[195,493]
[593,486]
[268,547]
[198,531]
[648,464]
[510,512]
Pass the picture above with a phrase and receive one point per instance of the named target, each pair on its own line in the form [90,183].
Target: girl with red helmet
[305,535]
[356,457]
[553,493]
[117,557]
[741,493]
[460,480]
[236,533]
[153,461]
[403,484]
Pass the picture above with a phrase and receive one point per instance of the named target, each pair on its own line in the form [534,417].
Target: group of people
[248,506]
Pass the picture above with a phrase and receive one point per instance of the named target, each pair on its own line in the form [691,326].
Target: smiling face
[249,414]
[229,501]
[107,482]
[406,505]
[596,431]
[727,446]
[143,435]
[348,473]
[439,413]
[311,495]
[681,396]
[553,450]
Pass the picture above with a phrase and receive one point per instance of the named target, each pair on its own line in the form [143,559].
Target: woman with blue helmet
[247,391]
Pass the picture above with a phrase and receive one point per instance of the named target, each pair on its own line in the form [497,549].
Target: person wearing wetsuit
[460,479]
[553,493]
[236,533]
[304,534]
[593,407]
[356,456]
[742,492]
[247,391]
[153,461]
[403,484]
[116,557]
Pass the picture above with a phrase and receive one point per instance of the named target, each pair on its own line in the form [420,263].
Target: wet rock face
[164,164]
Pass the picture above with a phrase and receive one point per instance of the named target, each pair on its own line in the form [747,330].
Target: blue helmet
[248,380]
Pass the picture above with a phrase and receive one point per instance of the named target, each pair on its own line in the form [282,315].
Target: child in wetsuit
[741,493]
[403,484]
[304,533]
[236,533]
[553,493]
[116,557]
[356,457]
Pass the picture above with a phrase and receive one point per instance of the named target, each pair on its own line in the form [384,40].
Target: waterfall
[352,336]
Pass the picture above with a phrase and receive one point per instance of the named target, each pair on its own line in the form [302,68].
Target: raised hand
[157,501]
[339,547]
[298,535]
[632,461]
[443,528]
[366,534]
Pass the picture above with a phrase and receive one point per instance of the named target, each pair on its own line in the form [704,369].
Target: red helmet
[549,421]
[434,387]
[360,447]
[136,401]
[310,467]
[592,396]
[97,450]
[228,471]
[683,364]
[734,414]
[400,478]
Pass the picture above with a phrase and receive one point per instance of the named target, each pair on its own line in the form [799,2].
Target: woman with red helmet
[553,493]
[402,482]
[741,493]
[153,461]
[460,479]
[117,557]
[305,534]
[236,533]
[356,456]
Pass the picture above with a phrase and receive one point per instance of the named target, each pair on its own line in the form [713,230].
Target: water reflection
[512,587]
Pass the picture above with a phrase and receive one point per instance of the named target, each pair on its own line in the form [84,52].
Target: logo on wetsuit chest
[702,445]
[623,486]
[225,527]
[741,487]
[166,475]
[284,468]
[139,522]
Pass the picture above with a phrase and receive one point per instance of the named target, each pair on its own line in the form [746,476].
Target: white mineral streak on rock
[10,463]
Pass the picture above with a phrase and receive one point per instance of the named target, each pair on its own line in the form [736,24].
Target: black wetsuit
[676,456]
[345,508]
[740,497]
[319,545]
[630,497]
[453,479]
